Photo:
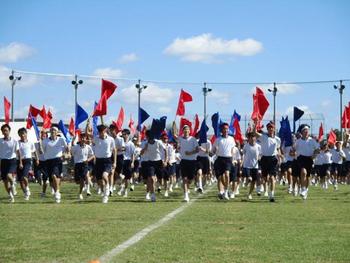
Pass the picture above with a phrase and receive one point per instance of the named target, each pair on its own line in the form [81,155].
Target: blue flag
[215,124]
[158,126]
[285,132]
[170,136]
[95,122]
[203,133]
[35,125]
[297,113]
[63,129]
[236,116]
[80,116]
[143,116]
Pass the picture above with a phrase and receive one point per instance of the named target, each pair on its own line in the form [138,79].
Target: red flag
[260,104]
[332,137]
[43,112]
[47,121]
[184,97]
[108,88]
[184,122]
[34,111]
[320,132]
[196,125]
[71,127]
[131,125]
[7,106]
[120,120]
[143,133]
[347,109]
[238,134]
[101,107]
[344,119]
[213,139]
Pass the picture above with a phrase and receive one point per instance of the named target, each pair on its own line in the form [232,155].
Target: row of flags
[260,106]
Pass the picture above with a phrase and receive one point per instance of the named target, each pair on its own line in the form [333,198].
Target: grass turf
[290,230]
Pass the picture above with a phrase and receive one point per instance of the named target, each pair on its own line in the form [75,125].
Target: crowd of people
[114,161]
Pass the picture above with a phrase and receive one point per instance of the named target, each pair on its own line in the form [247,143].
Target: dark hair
[22,130]
[5,126]
[126,131]
[149,134]
[224,124]
[101,127]
[251,134]
[112,126]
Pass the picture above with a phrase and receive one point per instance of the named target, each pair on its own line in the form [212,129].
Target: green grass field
[289,230]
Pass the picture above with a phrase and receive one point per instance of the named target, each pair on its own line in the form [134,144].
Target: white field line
[144,232]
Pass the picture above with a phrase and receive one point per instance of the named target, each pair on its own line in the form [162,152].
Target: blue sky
[217,41]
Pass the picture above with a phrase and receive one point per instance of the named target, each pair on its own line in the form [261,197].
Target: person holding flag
[53,148]
[8,165]
[270,151]
[26,151]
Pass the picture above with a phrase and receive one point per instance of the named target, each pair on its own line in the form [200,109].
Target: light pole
[274,93]
[341,87]
[76,83]
[139,88]
[205,93]
[13,83]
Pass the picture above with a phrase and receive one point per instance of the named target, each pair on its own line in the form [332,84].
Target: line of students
[111,157]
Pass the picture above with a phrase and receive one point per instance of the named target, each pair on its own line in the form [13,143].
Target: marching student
[223,147]
[270,151]
[104,148]
[137,157]
[82,154]
[8,163]
[53,148]
[235,168]
[326,157]
[346,150]
[203,164]
[171,166]
[40,169]
[337,163]
[165,158]
[128,161]
[26,151]
[287,165]
[153,149]
[188,149]
[306,147]
[251,156]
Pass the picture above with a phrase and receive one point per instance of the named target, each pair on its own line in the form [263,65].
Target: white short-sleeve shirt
[188,144]
[103,148]
[224,146]
[269,145]
[337,156]
[251,155]
[26,149]
[8,148]
[153,151]
[81,153]
[119,144]
[129,150]
[306,147]
[54,148]
[207,146]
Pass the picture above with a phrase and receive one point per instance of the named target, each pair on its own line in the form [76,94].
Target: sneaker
[81,197]
[132,187]
[14,190]
[125,193]
[58,197]
[166,194]
[200,190]
[42,195]
[232,196]
[159,190]
[110,192]
[176,186]
[153,197]
[52,191]
[237,192]
[290,190]
[272,199]
[26,196]
[105,199]
[336,187]
[99,191]
[295,192]
[171,189]
[88,193]
[266,194]
[250,197]
[226,196]
[148,196]
[186,199]
[220,196]
[120,192]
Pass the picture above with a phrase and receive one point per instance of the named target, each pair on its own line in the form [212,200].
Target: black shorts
[40,172]
[54,167]
[24,172]
[188,169]
[91,166]
[250,172]
[346,167]
[102,165]
[233,173]
[318,169]
[127,171]
[152,168]
[142,170]
[80,171]
[221,165]
[305,162]
[120,164]
[269,166]
[286,166]
[178,170]
[203,164]
[295,168]
[337,168]
[324,169]
[136,166]
[171,169]
[8,166]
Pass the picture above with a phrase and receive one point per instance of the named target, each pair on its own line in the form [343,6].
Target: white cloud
[152,94]
[14,51]
[284,89]
[205,48]
[326,103]
[304,108]
[108,73]
[26,79]
[127,58]
[165,110]
[220,97]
